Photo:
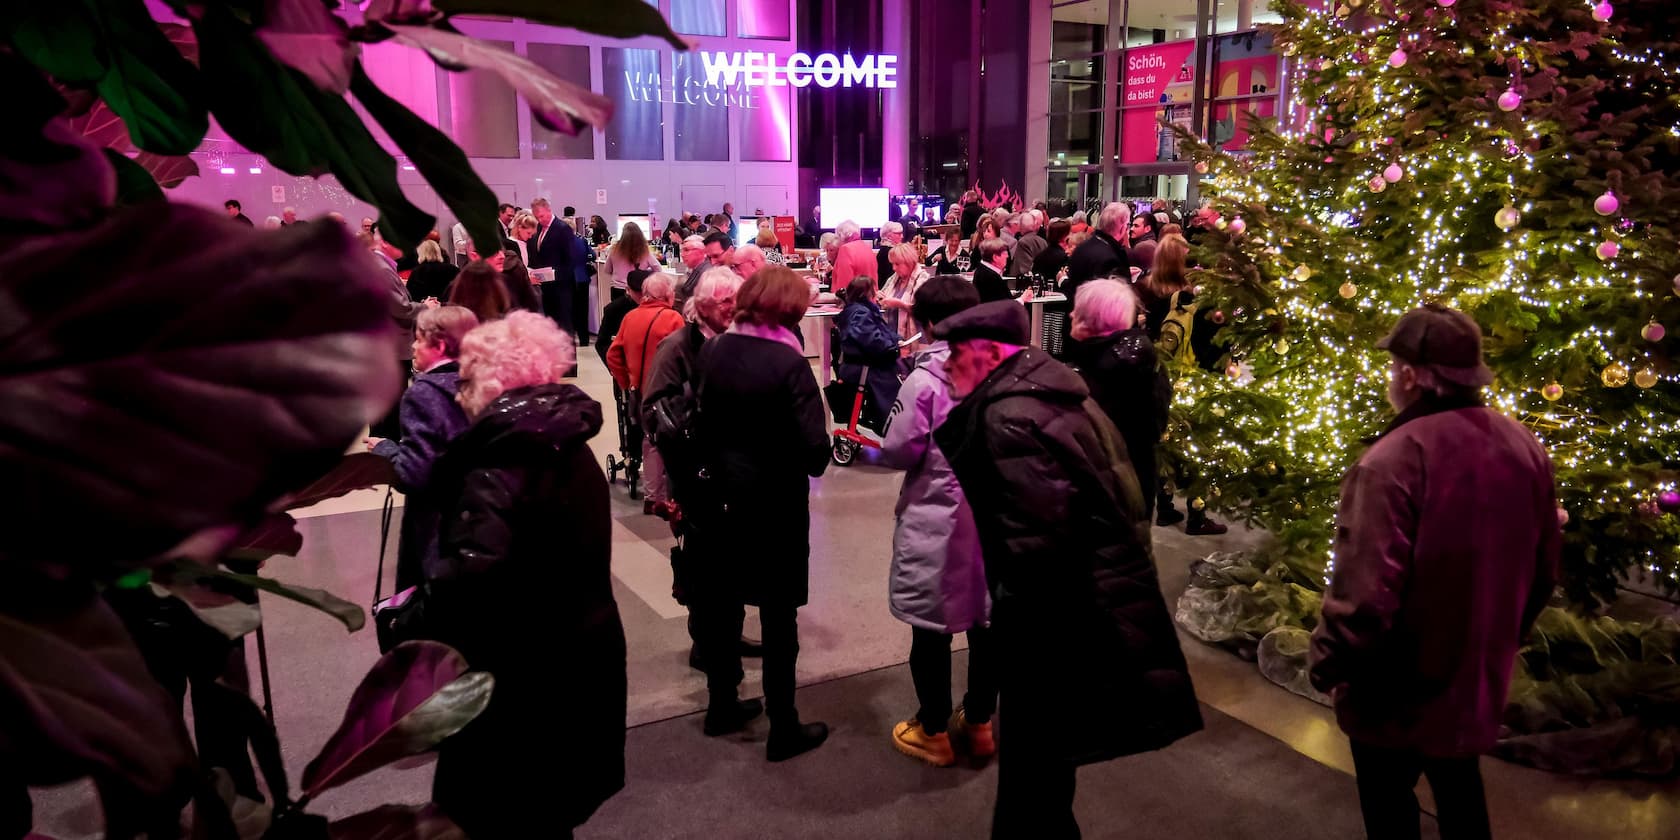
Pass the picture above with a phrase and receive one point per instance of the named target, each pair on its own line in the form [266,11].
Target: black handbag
[401,617]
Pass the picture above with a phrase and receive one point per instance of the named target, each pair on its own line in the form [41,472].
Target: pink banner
[1159,82]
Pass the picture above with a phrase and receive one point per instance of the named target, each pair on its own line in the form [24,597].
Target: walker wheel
[844,452]
[613,466]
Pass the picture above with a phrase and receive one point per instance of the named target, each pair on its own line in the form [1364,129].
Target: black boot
[1201,526]
[733,716]
[794,738]
[1165,515]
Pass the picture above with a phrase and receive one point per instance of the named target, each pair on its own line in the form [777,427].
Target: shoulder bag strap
[384,535]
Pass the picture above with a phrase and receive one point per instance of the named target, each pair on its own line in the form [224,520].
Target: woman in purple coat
[429,417]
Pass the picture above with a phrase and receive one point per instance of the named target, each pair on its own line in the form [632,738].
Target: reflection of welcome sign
[649,87]
[758,69]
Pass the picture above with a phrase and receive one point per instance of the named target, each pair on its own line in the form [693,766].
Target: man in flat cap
[1089,667]
[1446,549]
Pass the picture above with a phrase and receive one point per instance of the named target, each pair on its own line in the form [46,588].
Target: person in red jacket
[1446,549]
[630,357]
[855,257]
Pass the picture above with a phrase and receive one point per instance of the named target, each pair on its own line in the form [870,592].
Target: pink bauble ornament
[1329,158]
[1669,501]
[1606,203]
[1393,173]
[1653,331]
[1218,316]
[1397,58]
[1446,4]
[1677,285]
[1201,167]
[1607,250]
[1238,225]
[1377,184]
[1603,11]
[1510,100]
[1507,217]
[1329,134]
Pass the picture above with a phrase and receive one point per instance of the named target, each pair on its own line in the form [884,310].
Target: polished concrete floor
[1269,764]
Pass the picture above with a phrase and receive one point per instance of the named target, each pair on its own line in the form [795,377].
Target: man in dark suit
[971,214]
[988,272]
[1104,254]
[552,248]
[235,213]
[504,217]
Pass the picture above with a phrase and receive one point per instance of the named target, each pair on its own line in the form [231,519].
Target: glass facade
[1124,72]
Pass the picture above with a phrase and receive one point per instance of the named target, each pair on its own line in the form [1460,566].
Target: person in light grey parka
[938,580]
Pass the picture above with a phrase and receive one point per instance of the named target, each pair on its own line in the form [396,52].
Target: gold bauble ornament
[1552,392]
[1214,492]
[1646,377]
[1301,272]
[1348,290]
[1197,503]
[1343,11]
[1282,347]
[1298,507]
[1290,48]
[1271,468]
[1507,217]
[1614,375]
[1217,411]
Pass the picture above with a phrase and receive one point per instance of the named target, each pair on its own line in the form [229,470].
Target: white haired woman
[898,293]
[1117,361]
[527,517]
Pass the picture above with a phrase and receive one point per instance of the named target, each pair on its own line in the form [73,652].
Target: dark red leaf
[303,35]
[102,127]
[276,534]
[415,696]
[169,170]
[357,471]
[555,102]
[79,700]
[165,391]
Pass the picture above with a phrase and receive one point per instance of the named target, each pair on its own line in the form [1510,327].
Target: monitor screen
[746,230]
[638,219]
[926,209]
[865,205]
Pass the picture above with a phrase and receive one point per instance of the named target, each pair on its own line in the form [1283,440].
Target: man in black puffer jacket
[1090,667]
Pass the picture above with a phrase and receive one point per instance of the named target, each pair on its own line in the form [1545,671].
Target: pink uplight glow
[228,170]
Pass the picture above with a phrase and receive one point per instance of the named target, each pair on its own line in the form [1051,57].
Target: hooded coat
[1077,612]
[938,581]
[524,591]
[867,342]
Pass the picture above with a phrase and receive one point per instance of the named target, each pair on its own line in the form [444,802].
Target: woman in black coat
[524,591]
[762,435]
[432,276]
[1117,361]
[868,343]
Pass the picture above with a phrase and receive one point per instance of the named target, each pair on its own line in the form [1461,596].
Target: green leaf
[222,611]
[417,695]
[62,39]
[134,184]
[348,614]
[627,19]
[277,112]
[150,85]
[438,159]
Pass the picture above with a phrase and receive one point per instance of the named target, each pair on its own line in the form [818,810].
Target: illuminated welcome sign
[759,69]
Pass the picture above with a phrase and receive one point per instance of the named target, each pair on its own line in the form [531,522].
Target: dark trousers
[580,311]
[719,624]
[930,670]
[557,303]
[1387,779]
[1035,795]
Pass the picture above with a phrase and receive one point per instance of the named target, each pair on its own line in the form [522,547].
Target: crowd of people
[1023,520]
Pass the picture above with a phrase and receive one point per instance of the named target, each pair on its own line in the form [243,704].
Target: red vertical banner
[784,232]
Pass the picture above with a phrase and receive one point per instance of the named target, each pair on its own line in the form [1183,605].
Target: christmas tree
[1515,159]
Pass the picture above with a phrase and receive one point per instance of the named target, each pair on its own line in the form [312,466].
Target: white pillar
[1245,15]
[1039,24]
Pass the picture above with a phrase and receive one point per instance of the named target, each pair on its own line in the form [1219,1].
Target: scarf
[772,333]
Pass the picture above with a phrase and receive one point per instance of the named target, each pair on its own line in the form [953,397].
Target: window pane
[1074,138]
[630,78]
[767,128]
[1078,28]
[701,115]
[1245,86]
[1076,83]
[763,19]
[572,64]
[483,113]
[698,17]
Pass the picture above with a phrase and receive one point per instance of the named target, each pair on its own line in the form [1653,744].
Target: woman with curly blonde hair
[527,516]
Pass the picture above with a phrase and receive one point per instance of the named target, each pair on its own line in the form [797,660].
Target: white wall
[630,186]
